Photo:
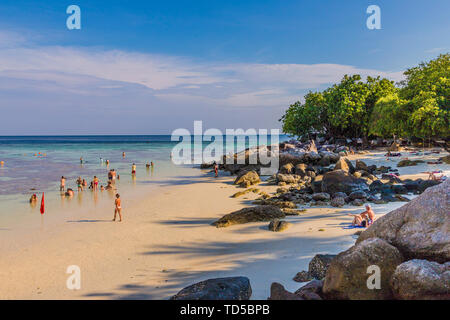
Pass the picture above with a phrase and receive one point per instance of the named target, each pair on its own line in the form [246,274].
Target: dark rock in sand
[275,202]
[319,264]
[340,181]
[250,214]
[232,288]
[420,228]
[279,225]
[408,163]
[347,275]
[288,178]
[339,195]
[421,280]
[300,169]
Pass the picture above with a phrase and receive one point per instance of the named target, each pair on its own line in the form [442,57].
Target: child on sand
[118,208]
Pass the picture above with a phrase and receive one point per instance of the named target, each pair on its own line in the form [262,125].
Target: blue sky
[141,67]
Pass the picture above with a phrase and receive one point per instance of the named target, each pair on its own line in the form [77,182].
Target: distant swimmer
[118,208]
[152,164]
[81,160]
[133,169]
[147,165]
[33,199]
[62,185]
[113,175]
[84,183]
[107,162]
[109,186]
[69,192]
[2,163]
[123,154]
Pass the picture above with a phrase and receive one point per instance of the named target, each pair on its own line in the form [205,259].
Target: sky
[150,67]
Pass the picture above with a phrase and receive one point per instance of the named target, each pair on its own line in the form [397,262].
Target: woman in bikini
[118,208]
[95,183]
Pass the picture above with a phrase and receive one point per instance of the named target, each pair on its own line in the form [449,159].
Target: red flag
[42,204]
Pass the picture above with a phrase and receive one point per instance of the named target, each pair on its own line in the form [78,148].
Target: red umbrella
[42,204]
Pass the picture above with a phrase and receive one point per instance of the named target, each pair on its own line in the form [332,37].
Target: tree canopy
[416,107]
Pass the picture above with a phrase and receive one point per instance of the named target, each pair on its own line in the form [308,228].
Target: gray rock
[302,276]
[278,292]
[420,228]
[358,195]
[421,280]
[347,275]
[247,178]
[231,288]
[340,181]
[319,264]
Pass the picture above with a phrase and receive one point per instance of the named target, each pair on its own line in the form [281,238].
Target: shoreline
[166,242]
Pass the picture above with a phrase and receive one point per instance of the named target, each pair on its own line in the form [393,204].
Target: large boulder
[319,264]
[250,214]
[341,181]
[420,228]
[321,196]
[421,280]
[347,275]
[247,178]
[231,288]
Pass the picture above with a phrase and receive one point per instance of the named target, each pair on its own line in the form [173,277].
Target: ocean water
[35,164]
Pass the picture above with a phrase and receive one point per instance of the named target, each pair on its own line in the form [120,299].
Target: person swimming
[69,192]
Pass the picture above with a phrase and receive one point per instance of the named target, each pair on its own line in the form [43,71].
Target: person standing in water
[62,185]
[79,184]
[133,169]
[95,183]
[123,154]
[118,208]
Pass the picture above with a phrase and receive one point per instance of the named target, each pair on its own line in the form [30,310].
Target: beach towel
[353,227]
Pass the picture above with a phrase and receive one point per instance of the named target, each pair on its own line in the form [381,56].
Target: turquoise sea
[35,164]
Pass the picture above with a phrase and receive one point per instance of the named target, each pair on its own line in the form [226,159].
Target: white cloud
[150,84]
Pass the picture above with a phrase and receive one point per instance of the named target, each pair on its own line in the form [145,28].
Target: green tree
[389,117]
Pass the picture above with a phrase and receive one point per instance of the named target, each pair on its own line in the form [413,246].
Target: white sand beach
[166,242]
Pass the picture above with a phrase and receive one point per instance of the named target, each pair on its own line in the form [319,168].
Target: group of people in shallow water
[94,185]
